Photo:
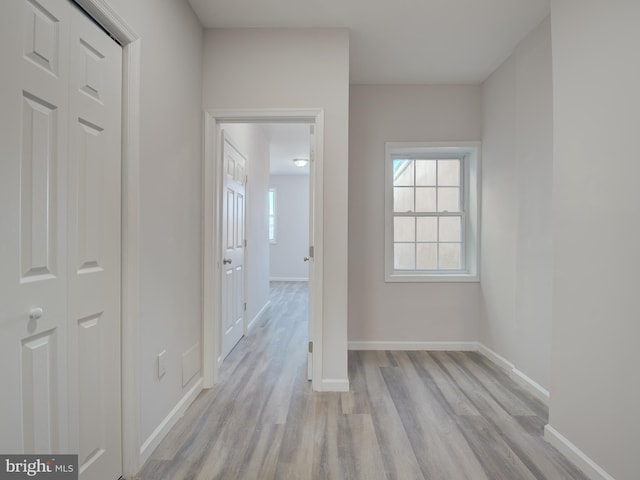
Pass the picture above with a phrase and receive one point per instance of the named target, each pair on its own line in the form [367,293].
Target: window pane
[403,199]
[449,257]
[427,256]
[426,172]
[404,229]
[402,173]
[448,199]
[425,199]
[427,229]
[450,230]
[404,256]
[449,173]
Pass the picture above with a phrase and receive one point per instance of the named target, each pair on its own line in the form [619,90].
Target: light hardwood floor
[409,415]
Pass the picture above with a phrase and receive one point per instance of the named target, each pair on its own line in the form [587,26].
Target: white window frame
[275,216]
[469,152]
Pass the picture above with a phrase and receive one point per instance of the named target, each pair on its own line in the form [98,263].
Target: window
[431,214]
[272,215]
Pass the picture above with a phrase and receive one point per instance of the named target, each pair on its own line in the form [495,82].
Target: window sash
[462,173]
[462,243]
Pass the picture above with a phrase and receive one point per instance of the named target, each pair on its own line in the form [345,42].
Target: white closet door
[60,236]
[94,249]
[34,42]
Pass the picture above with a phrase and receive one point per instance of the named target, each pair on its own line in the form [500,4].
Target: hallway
[409,415]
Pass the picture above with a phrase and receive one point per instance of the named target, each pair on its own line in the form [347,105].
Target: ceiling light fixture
[301,162]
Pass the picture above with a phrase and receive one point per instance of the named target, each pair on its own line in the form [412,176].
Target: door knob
[35,313]
[306,259]
[226,261]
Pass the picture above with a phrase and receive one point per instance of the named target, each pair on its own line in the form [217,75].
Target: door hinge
[245,243]
[310,347]
[245,306]
[311,251]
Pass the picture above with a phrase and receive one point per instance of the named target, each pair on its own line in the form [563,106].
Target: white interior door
[94,249]
[234,165]
[33,222]
[60,227]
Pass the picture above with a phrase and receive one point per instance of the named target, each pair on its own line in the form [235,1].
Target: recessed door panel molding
[239,297]
[41,36]
[227,304]
[91,164]
[229,219]
[38,222]
[39,395]
[89,370]
[239,173]
[239,221]
[92,60]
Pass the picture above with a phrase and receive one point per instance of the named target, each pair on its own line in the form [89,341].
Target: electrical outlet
[162,364]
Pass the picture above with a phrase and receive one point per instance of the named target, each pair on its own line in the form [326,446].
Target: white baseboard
[590,468]
[334,385]
[531,386]
[499,360]
[151,443]
[519,377]
[420,346]
[289,279]
[260,313]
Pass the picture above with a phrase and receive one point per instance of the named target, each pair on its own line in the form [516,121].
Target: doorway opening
[266,139]
[265,223]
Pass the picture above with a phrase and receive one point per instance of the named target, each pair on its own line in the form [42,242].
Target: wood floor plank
[397,454]
[435,437]
[407,416]
[428,369]
[262,458]
[358,397]
[361,448]
[329,439]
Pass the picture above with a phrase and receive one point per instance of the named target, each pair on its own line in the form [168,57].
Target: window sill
[438,278]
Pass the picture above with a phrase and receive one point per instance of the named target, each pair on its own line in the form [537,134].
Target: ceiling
[286,142]
[399,41]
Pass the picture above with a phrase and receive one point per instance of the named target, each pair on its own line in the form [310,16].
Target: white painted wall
[517,161]
[292,228]
[417,312]
[253,142]
[170,198]
[258,68]
[596,327]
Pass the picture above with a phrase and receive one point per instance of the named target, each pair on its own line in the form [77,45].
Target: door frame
[117,27]
[211,231]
